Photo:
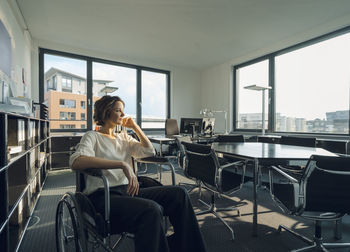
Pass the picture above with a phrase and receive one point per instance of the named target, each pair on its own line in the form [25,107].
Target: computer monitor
[187,126]
[208,126]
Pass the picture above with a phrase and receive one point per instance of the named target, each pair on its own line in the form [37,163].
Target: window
[67,103]
[154,99]
[66,83]
[116,80]
[67,126]
[310,87]
[64,93]
[249,104]
[67,115]
[82,116]
[132,83]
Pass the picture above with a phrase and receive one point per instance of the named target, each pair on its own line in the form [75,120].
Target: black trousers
[143,214]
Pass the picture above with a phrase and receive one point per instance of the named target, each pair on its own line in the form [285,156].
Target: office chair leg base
[225,223]
[304,238]
[336,245]
[225,209]
[211,207]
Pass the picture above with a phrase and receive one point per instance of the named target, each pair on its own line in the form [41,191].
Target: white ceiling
[189,33]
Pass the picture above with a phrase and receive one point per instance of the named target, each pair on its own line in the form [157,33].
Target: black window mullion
[235,99]
[89,94]
[168,95]
[271,96]
[138,96]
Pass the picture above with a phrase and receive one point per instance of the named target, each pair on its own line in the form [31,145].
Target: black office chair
[298,141]
[203,165]
[320,193]
[181,161]
[229,139]
[266,139]
[154,160]
[223,159]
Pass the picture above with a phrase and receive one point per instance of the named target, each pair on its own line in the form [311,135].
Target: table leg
[255,205]
[160,149]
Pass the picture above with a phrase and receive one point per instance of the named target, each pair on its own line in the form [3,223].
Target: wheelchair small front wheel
[69,233]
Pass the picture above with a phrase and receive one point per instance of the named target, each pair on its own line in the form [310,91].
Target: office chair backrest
[181,152]
[201,162]
[230,139]
[298,141]
[266,139]
[171,127]
[326,182]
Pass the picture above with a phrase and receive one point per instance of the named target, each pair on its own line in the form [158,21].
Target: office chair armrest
[284,174]
[237,163]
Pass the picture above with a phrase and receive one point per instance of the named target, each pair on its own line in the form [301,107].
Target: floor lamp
[263,89]
[210,113]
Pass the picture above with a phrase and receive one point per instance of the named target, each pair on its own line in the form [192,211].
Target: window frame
[271,98]
[89,104]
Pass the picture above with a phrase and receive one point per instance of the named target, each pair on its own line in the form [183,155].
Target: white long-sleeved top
[94,144]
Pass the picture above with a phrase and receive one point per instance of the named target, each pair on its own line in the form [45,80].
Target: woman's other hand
[133,186]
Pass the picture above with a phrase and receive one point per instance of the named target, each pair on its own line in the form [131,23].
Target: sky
[309,82]
[153,84]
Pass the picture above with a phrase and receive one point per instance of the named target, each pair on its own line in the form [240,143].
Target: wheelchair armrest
[95,172]
[284,174]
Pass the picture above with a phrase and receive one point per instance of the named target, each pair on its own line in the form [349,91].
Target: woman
[134,210]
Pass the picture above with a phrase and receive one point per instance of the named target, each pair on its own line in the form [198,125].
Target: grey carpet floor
[40,235]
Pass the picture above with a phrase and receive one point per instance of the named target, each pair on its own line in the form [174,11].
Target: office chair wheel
[69,231]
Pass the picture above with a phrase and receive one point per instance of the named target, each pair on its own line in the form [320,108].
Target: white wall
[216,81]
[185,83]
[21,47]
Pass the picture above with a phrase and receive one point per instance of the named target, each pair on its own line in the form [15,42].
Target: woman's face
[117,113]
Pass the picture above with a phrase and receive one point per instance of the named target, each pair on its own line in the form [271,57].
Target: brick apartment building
[65,96]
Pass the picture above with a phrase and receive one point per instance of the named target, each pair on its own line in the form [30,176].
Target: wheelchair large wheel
[70,235]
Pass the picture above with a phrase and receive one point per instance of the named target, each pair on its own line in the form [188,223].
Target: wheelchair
[79,227]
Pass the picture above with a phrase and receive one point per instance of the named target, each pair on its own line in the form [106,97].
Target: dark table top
[265,151]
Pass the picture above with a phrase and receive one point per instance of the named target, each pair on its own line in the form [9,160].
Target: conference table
[265,154]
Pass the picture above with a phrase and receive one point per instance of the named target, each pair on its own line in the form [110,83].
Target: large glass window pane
[65,87]
[115,80]
[312,88]
[249,104]
[154,99]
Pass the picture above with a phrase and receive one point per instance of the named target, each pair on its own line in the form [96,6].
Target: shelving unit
[23,170]
[61,148]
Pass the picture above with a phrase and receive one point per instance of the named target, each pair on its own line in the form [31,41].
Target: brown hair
[103,108]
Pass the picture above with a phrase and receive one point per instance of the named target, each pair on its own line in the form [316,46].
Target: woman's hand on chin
[128,122]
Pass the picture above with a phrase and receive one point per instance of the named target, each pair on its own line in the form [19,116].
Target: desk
[266,154]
